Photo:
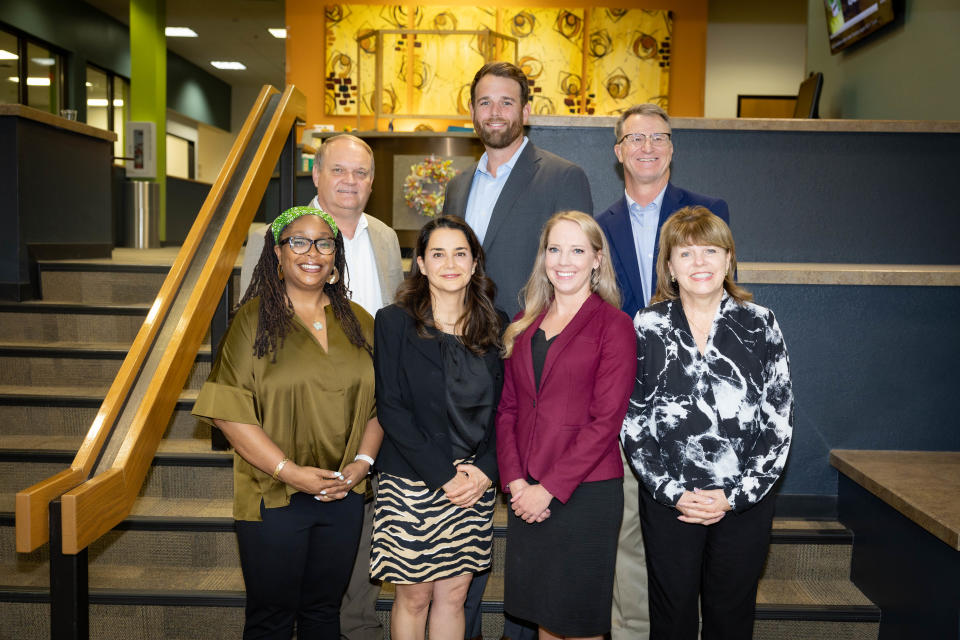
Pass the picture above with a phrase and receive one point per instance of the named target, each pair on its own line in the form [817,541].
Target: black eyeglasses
[637,139]
[301,245]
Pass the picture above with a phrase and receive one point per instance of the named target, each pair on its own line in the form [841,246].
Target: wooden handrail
[93,507]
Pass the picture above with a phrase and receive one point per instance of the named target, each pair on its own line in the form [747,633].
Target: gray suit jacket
[539,185]
[386,251]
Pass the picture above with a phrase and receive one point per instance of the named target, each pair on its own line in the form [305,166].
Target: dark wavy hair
[275,318]
[481,323]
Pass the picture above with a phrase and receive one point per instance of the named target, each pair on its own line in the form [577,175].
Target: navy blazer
[615,222]
[412,407]
[540,184]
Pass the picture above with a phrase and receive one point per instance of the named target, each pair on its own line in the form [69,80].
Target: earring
[594,279]
[673,278]
[280,272]
[333,277]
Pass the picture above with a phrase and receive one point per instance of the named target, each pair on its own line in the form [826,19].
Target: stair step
[70,322]
[69,364]
[131,279]
[69,411]
[173,477]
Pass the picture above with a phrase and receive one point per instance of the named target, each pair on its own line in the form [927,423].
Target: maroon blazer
[568,431]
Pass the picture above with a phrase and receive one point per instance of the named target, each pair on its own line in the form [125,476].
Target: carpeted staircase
[171,570]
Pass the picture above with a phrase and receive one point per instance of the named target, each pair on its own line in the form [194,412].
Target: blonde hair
[538,292]
[695,225]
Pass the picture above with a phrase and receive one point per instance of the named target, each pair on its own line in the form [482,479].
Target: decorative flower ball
[423,189]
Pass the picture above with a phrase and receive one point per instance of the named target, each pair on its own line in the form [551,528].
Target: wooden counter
[897,275]
[922,485]
[44,117]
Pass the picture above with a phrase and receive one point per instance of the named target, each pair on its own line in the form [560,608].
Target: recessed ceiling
[226,30]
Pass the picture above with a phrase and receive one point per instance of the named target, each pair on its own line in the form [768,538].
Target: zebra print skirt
[419,536]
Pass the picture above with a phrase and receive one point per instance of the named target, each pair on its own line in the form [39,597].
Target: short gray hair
[318,159]
[645,109]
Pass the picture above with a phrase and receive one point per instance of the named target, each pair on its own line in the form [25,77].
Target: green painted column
[148,82]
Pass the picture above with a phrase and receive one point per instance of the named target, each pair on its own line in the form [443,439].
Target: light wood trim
[95,507]
[33,507]
[763,124]
[47,118]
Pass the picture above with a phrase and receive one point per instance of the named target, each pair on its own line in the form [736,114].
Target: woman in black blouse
[438,381]
[708,430]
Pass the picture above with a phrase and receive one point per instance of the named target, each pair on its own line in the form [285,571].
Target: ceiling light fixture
[229,65]
[179,32]
[44,62]
[6,55]
[278,33]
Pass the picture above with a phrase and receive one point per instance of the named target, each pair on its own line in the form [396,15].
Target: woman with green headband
[292,389]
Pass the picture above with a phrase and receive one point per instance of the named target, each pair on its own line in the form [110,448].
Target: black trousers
[717,566]
[296,564]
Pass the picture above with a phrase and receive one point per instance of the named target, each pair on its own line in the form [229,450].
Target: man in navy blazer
[645,150]
[632,224]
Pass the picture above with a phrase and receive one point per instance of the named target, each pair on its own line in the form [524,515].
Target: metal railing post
[288,172]
[69,586]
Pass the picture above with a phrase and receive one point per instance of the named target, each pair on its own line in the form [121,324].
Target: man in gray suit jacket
[515,187]
[343,175]
[506,198]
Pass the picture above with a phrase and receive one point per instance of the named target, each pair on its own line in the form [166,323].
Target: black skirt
[559,572]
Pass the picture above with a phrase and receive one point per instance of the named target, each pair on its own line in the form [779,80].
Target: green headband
[293,213]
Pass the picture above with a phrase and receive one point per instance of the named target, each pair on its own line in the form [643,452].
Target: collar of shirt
[508,165]
[640,214]
[363,280]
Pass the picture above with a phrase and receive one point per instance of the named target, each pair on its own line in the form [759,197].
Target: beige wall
[754,47]
[213,146]
[907,71]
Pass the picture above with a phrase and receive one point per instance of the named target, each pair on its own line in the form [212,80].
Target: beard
[501,138]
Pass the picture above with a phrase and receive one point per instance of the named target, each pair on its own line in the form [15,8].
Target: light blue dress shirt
[485,191]
[644,222]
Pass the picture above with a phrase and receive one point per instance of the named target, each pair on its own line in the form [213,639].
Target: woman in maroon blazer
[570,366]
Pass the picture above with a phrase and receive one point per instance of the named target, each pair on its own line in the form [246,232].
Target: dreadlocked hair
[275,319]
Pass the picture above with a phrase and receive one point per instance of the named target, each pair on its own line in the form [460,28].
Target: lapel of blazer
[520,176]
[380,252]
[672,200]
[524,355]
[428,347]
[590,306]
[626,250]
[458,191]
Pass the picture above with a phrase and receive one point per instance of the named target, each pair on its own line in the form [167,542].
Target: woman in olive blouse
[292,390]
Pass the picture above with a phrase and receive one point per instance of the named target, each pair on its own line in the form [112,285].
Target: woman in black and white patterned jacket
[707,430]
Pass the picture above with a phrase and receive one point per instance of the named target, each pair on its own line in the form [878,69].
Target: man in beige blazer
[343,175]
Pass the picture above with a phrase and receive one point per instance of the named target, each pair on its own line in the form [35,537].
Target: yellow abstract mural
[578,61]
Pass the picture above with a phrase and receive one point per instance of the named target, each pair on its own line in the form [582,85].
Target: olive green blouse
[313,404]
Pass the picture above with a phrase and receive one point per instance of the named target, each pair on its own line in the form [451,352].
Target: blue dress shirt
[485,191]
[644,221]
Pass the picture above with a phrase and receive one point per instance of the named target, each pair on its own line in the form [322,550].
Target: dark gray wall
[872,368]
[872,365]
[195,93]
[87,35]
[804,196]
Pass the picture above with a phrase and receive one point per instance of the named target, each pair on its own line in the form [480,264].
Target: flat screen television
[849,21]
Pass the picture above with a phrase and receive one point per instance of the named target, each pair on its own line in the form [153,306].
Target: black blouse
[469,395]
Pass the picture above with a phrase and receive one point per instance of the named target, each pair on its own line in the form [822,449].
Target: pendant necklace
[318,325]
